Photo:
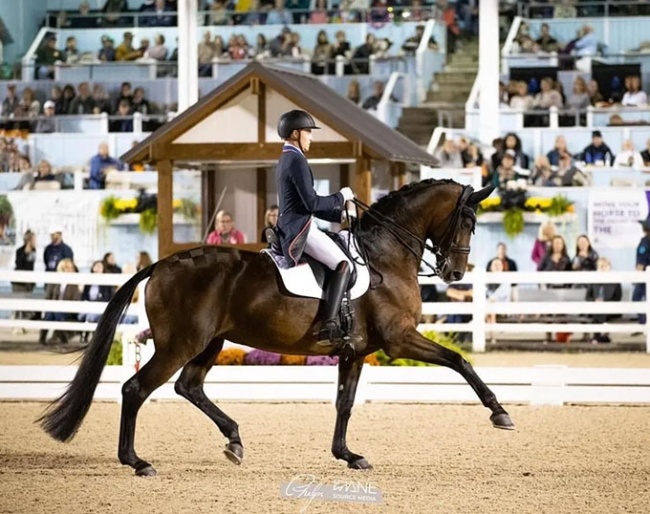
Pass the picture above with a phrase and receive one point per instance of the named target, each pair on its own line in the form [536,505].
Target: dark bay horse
[196,299]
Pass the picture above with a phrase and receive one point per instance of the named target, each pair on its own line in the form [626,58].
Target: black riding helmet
[295,120]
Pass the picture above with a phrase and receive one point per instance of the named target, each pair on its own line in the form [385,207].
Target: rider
[298,204]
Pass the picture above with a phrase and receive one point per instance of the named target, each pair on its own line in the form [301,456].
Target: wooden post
[344,175]
[208,194]
[400,174]
[363,180]
[165,209]
[261,200]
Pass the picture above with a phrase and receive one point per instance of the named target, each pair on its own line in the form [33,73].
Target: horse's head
[452,243]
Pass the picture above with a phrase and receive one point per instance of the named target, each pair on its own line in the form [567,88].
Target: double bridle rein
[442,251]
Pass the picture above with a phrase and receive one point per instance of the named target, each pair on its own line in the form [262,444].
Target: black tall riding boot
[330,331]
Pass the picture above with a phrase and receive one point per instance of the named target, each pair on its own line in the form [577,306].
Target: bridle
[442,251]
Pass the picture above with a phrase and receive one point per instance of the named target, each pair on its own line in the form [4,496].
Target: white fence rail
[478,308]
[537,385]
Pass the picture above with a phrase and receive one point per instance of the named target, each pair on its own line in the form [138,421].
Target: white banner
[614,217]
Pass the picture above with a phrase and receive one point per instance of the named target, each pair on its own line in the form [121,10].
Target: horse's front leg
[415,346]
[349,373]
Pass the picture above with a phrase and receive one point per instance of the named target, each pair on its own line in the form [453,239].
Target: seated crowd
[560,166]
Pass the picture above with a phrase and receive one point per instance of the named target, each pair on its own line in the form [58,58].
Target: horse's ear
[478,196]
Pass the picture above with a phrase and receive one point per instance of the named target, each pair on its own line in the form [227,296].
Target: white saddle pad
[300,279]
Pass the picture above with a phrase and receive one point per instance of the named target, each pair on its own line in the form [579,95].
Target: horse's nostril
[457,275]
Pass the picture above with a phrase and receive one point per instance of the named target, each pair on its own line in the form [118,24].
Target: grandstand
[77,75]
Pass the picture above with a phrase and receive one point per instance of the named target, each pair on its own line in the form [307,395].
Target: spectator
[556,259]
[56,97]
[100,165]
[159,16]
[125,50]
[512,142]
[628,157]
[322,56]
[497,292]
[559,149]
[66,292]
[522,100]
[125,94]
[25,260]
[206,53]
[587,44]
[68,97]
[95,293]
[448,155]
[645,155]
[565,9]
[46,56]
[110,264]
[361,56]
[43,173]
[158,51]
[47,124]
[125,121]
[507,171]
[411,44]
[70,54]
[586,257]
[593,90]
[261,47]
[354,92]
[634,96]
[113,8]
[460,293]
[279,14]
[373,100]
[270,221]
[238,48]
[545,234]
[83,102]
[107,51]
[100,100]
[218,13]
[296,49]
[548,96]
[447,14]
[143,261]
[507,264]
[57,250]
[598,153]
[543,174]
[642,263]
[546,42]
[603,293]
[10,102]
[139,103]
[579,98]
[470,153]
[254,16]
[225,231]
[84,20]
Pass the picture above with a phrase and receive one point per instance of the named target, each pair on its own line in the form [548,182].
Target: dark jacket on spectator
[82,105]
[592,154]
[53,254]
[606,292]
[104,293]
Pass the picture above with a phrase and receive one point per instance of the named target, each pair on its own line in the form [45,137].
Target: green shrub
[440,338]
[115,355]
[513,222]
[148,221]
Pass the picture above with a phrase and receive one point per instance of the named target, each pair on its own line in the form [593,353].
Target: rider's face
[305,139]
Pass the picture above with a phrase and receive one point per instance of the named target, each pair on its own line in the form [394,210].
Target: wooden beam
[165,209]
[250,151]
[363,179]
[400,174]
[261,113]
[208,195]
[344,175]
[261,199]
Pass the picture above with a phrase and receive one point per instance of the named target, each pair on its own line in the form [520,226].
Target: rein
[442,251]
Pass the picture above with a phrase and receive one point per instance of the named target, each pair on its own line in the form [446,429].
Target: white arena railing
[549,385]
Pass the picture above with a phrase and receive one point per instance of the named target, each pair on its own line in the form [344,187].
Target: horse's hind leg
[134,392]
[190,386]
[416,346]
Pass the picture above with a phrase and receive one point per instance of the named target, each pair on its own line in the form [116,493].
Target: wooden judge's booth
[231,136]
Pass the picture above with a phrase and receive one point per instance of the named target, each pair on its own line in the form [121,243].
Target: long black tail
[64,415]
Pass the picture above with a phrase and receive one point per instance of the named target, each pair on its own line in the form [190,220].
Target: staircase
[449,90]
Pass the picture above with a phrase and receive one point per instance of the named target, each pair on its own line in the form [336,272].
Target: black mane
[395,199]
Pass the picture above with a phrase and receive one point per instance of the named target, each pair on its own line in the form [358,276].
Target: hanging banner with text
[614,217]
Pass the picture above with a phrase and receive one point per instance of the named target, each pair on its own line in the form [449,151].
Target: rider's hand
[347,194]
[349,213]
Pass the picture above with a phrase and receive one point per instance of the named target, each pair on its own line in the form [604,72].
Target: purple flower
[322,360]
[262,358]
[141,337]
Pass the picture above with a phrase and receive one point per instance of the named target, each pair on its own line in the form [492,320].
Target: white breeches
[323,249]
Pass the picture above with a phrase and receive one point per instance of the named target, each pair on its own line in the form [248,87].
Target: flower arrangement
[321,360]
[112,208]
[293,360]
[231,357]
[262,358]
[513,216]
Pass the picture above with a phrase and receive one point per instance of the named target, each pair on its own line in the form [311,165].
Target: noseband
[447,243]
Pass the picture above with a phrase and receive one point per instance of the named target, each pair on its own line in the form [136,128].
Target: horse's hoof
[360,464]
[147,471]
[234,452]
[502,421]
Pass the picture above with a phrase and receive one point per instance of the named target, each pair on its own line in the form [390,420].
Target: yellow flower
[176,204]
[122,204]
[490,202]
